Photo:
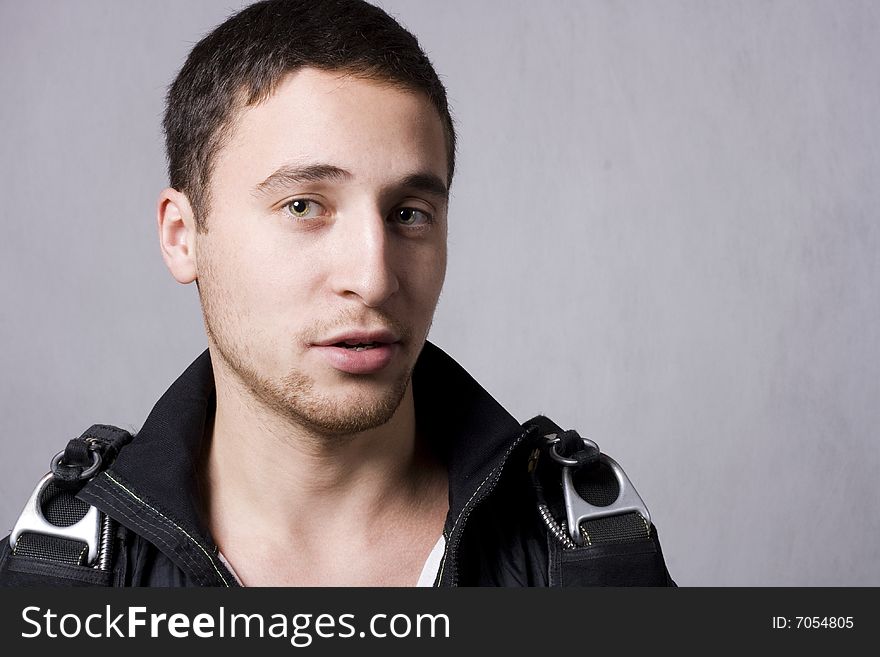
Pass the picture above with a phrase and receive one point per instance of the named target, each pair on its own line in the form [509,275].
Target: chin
[342,409]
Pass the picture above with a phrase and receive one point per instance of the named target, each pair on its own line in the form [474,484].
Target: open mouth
[358,346]
[360,351]
[356,356]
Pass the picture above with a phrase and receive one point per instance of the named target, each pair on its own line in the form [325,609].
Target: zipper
[492,479]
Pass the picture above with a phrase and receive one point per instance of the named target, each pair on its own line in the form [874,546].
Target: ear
[177,232]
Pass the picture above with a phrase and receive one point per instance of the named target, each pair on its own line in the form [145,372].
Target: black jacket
[494,533]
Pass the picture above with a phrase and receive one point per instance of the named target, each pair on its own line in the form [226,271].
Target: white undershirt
[432,565]
[429,570]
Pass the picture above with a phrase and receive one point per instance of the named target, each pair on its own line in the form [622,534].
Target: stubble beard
[294,396]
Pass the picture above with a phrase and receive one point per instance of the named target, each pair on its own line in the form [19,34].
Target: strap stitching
[640,516]
[81,554]
[586,534]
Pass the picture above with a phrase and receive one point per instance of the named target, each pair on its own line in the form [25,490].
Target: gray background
[663,232]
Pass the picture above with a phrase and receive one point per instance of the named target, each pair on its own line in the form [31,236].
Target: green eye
[303,208]
[411,216]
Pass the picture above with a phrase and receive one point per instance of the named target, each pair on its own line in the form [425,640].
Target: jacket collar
[470,430]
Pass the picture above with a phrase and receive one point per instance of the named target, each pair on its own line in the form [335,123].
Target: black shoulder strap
[601,531]
[59,538]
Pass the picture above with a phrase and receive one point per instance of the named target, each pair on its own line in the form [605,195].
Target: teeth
[360,347]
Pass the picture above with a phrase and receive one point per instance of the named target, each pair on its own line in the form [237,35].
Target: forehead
[373,129]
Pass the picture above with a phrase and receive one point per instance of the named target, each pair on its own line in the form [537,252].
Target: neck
[266,475]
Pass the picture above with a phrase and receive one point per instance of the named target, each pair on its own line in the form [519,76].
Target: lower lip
[358,362]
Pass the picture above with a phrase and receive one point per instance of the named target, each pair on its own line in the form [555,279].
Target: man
[321,440]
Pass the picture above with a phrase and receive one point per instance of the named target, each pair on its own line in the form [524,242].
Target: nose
[364,265]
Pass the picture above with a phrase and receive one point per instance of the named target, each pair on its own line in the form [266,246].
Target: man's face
[327,225]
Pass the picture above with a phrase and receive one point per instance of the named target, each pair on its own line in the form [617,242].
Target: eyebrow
[289,175]
[425,182]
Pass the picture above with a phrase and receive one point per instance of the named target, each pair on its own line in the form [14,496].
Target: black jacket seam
[180,547]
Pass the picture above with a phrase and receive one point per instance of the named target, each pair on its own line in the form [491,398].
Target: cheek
[427,278]
[439,267]
[440,275]
[249,278]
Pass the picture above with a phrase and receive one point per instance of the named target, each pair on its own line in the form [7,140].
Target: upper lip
[359,336]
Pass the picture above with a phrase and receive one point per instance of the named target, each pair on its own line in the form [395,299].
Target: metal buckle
[55,463]
[86,530]
[577,509]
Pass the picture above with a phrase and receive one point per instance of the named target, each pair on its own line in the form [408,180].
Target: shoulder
[59,539]
[596,527]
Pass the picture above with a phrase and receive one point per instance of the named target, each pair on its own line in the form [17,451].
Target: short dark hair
[241,62]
